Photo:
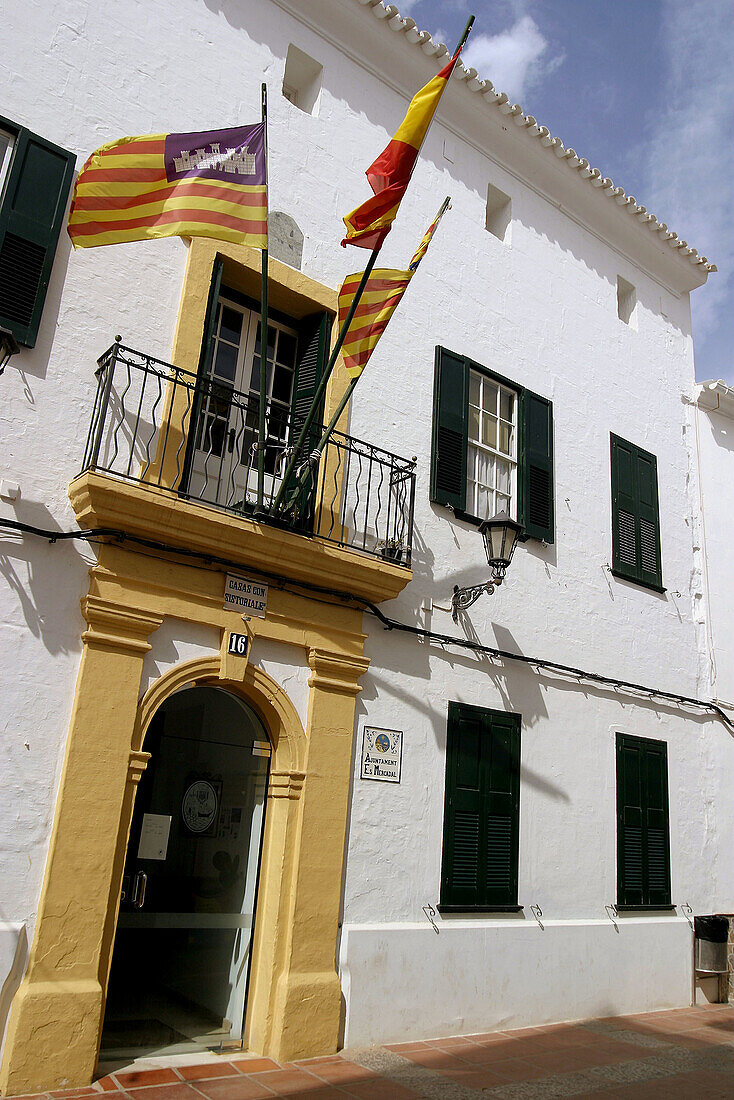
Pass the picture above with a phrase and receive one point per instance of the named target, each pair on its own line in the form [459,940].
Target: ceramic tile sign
[382,754]
[246,596]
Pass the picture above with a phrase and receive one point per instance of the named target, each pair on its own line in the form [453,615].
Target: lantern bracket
[465,597]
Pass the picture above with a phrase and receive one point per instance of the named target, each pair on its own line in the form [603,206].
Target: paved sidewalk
[676,1055]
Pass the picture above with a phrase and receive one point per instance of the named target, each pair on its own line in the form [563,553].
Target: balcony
[195,439]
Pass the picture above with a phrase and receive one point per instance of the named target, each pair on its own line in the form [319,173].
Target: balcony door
[224,467]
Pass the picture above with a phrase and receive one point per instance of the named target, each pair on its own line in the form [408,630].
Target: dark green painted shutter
[31,215]
[624,508]
[481,814]
[536,477]
[206,354]
[314,332]
[635,513]
[449,442]
[643,828]
[657,825]
[649,518]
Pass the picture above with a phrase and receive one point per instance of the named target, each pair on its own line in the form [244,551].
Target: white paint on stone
[495,975]
[288,667]
[540,310]
[173,643]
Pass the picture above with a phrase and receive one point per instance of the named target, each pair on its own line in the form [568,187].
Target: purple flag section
[236,155]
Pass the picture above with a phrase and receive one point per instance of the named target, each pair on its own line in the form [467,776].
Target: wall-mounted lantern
[8,346]
[500,536]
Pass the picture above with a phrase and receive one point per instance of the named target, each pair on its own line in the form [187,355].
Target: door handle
[139,886]
[230,440]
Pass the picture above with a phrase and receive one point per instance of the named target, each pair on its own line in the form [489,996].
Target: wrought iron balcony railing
[159,425]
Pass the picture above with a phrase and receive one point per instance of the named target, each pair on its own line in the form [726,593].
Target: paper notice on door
[154,836]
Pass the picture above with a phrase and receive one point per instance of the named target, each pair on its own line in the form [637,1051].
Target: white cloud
[689,160]
[513,60]
[406,6]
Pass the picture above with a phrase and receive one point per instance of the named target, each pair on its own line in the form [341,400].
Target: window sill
[480,908]
[645,908]
[635,580]
[475,522]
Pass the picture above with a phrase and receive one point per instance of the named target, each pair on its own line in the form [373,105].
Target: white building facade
[534,860]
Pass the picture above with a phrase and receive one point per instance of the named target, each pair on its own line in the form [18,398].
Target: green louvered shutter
[624,508]
[657,823]
[313,346]
[650,564]
[31,216]
[481,809]
[501,760]
[536,477]
[643,826]
[635,514]
[449,441]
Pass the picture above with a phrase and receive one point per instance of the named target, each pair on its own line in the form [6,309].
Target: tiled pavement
[676,1055]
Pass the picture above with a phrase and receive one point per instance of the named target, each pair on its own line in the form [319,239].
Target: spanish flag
[389,176]
[206,184]
[380,298]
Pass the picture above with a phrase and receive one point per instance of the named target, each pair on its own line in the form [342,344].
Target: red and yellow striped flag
[207,184]
[380,298]
[389,175]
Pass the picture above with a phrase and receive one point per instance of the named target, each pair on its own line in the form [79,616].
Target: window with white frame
[491,448]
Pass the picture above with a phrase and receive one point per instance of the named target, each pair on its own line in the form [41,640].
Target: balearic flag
[382,293]
[389,176]
[207,184]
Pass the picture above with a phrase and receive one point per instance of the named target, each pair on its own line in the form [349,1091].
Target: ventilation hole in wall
[302,80]
[626,302]
[499,213]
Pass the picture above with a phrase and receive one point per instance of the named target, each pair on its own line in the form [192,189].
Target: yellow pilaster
[53,1030]
[307,1004]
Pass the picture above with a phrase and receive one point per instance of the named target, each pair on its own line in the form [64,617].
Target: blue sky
[644,89]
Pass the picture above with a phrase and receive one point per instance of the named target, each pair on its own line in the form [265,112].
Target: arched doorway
[180,965]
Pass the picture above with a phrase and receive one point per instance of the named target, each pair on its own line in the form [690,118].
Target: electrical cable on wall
[95,535]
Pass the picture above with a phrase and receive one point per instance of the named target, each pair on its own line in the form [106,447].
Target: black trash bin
[712,934]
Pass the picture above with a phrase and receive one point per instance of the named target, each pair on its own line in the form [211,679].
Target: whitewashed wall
[715,434]
[541,310]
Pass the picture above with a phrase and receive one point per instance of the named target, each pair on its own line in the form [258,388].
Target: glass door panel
[180,964]
[224,469]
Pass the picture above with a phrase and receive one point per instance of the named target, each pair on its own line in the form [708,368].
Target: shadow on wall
[13,961]
[55,581]
[471,173]
[35,360]
[722,430]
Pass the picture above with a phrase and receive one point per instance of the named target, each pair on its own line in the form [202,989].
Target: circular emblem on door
[199,806]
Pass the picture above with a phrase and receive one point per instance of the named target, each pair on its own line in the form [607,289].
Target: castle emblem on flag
[210,183]
[236,155]
[238,161]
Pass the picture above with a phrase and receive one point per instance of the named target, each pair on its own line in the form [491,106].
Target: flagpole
[263,320]
[325,378]
[343,331]
[320,446]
